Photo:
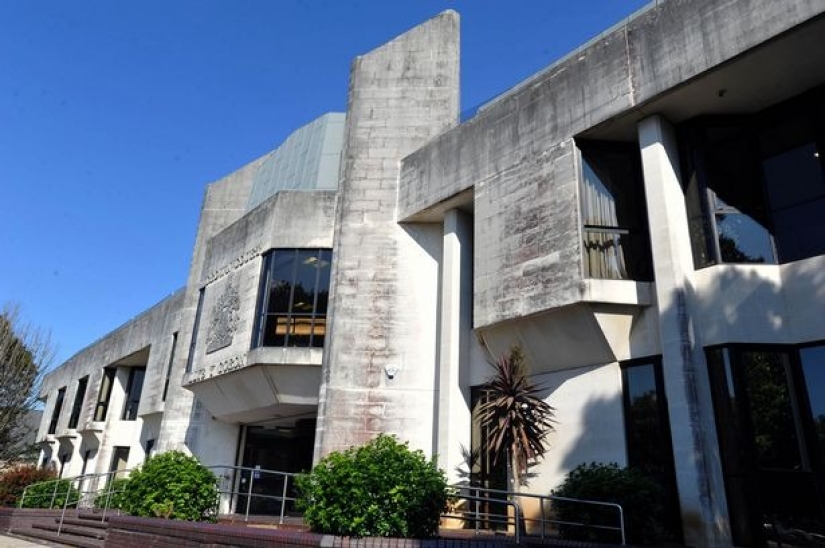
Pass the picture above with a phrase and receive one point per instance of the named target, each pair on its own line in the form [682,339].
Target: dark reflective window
[134,388]
[58,407]
[647,430]
[616,243]
[768,403]
[813,368]
[294,296]
[106,384]
[755,184]
[74,418]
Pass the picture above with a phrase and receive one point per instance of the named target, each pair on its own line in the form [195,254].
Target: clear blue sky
[114,115]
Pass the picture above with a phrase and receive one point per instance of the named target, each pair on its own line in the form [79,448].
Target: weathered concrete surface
[148,339]
[385,275]
[519,156]
[224,203]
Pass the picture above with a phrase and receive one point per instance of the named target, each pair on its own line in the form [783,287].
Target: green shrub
[51,494]
[382,489]
[174,482]
[641,499]
[13,481]
[113,495]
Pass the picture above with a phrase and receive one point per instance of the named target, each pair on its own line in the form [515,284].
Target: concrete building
[645,218]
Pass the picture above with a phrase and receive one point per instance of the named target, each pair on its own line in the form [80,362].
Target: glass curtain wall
[770,410]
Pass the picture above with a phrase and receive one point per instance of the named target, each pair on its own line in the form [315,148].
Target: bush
[177,484]
[52,494]
[113,495]
[641,499]
[382,489]
[13,481]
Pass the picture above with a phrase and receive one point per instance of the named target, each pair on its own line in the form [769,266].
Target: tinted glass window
[294,298]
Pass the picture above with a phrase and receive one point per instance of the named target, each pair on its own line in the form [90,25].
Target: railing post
[23,498]
[283,499]
[54,493]
[621,524]
[249,494]
[65,505]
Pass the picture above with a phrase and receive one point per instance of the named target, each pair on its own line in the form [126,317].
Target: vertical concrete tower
[381,357]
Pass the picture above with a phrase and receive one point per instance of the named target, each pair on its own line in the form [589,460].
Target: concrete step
[92,522]
[72,530]
[55,539]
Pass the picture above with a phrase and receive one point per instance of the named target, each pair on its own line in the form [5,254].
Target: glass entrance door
[766,416]
[283,449]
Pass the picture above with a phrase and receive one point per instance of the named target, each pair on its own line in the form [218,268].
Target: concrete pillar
[695,446]
[453,418]
[381,348]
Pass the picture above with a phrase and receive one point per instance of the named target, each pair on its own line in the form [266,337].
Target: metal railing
[241,485]
[244,488]
[483,497]
[92,491]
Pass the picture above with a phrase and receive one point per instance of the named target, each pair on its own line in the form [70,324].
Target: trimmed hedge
[382,489]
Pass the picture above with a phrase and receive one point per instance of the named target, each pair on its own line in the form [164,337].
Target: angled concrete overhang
[275,384]
[611,323]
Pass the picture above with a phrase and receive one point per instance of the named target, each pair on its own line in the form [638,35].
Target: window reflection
[294,299]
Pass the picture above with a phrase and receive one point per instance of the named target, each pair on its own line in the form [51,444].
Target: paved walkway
[15,542]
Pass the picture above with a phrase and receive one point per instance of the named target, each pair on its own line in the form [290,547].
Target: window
[169,366]
[120,462]
[134,387]
[58,406]
[147,449]
[193,342]
[769,407]
[78,402]
[616,244]
[755,184]
[294,294]
[105,393]
[647,430]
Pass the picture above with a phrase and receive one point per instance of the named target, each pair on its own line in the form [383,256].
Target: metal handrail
[236,479]
[77,483]
[544,520]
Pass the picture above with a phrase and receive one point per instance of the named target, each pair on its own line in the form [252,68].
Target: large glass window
[647,430]
[294,295]
[58,407]
[79,395]
[134,388]
[769,402]
[616,243]
[106,384]
[755,184]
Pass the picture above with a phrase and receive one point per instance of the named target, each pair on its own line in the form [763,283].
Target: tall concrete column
[381,348]
[695,446]
[453,400]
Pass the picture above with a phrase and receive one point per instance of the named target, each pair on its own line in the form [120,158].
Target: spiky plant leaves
[517,419]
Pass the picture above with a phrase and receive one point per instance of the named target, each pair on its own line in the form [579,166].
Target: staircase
[83,529]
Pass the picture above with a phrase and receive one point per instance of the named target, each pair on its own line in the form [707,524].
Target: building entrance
[770,418]
[285,449]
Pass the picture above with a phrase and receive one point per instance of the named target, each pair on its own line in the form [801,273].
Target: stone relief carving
[224,318]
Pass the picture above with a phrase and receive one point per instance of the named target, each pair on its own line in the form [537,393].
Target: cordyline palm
[516,418]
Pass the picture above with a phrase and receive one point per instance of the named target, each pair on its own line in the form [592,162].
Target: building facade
[645,218]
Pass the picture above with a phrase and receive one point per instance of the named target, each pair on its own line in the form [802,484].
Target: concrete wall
[151,331]
[385,275]
[519,156]
[184,422]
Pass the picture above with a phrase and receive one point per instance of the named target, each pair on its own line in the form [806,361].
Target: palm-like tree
[516,419]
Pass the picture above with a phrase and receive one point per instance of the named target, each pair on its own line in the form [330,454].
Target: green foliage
[175,481]
[514,415]
[640,497]
[382,489]
[13,481]
[51,494]
[113,496]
